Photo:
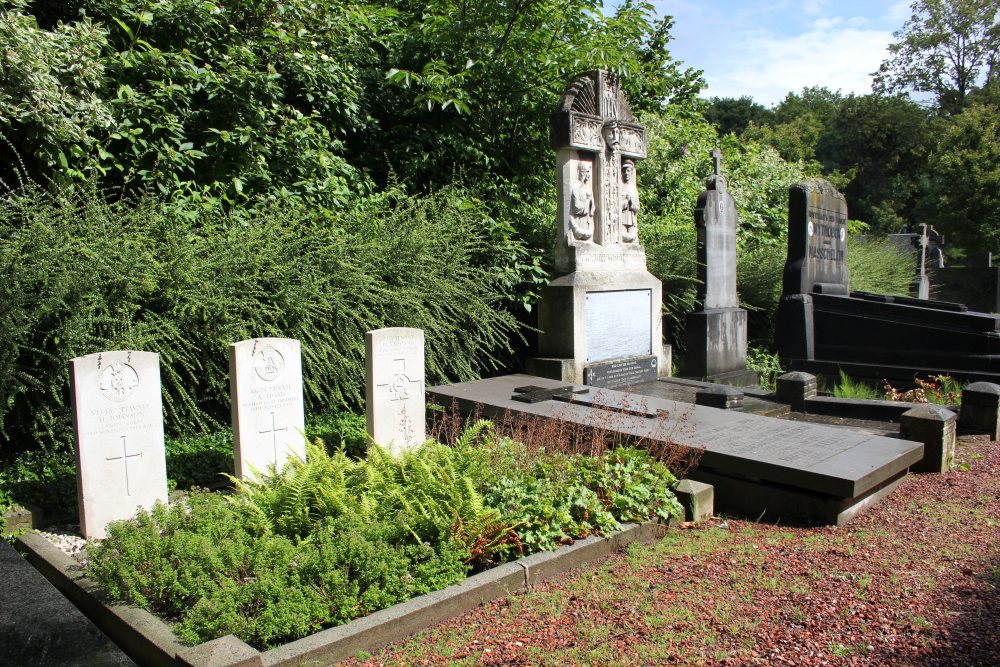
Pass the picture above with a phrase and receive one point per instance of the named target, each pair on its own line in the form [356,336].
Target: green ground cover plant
[333,537]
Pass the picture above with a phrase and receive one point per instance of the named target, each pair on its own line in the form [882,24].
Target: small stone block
[697,498]
[18,517]
[227,651]
[934,426]
[795,388]
[720,396]
[981,409]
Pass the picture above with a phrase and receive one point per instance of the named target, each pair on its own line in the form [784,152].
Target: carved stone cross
[273,432]
[716,161]
[124,459]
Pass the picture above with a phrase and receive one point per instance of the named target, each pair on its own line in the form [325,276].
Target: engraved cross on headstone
[400,383]
[124,458]
[273,432]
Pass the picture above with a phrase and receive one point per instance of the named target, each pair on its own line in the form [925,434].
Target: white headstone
[394,389]
[118,424]
[265,383]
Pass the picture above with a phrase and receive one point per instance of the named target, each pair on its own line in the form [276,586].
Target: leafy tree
[946,48]
[880,143]
[470,86]
[734,114]
[798,123]
[964,197]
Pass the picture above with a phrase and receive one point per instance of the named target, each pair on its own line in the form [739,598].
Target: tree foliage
[946,48]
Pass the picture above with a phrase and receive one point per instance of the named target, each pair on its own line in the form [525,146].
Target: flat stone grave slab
[38,626]
[761,467]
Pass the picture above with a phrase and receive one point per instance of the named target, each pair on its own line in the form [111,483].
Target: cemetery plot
[784,469]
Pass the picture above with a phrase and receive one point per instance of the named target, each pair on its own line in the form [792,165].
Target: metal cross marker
[717,161]
[274,430]
[124,458]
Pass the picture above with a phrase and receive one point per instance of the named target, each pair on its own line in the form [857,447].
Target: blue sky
[766,49]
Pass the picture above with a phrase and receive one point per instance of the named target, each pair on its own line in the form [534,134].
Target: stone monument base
[717,347]
[590,319]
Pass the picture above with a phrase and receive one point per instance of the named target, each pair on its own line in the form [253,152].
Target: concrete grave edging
[150,641]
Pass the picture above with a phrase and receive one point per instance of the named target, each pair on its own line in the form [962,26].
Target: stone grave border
[150,641]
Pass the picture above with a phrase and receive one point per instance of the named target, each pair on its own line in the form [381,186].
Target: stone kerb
[981,409]
[720,396]
[795,388]
[394,387]
[118,427]
[265,380]
[934,426]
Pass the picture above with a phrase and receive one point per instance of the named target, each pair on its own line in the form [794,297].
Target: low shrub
[332,538]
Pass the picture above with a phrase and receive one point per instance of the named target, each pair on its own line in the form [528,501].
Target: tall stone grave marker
[716,333]
[394,387]
[265,384]
[118,425]
[600,317]
[816,262]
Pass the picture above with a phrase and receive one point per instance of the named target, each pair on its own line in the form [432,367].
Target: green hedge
[80,275]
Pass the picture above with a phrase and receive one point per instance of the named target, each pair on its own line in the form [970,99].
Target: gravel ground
[913,582]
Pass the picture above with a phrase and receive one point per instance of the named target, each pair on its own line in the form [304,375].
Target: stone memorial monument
[716,333]
[265,383]
[394,387]
[600,317]
[816,261]
[118,426]
[824,328]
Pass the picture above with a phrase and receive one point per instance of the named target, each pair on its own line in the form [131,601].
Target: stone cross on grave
[273,432]
[595,123]
[124,459]
[716,161]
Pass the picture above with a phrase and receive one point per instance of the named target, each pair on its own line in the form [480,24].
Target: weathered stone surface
[716,343]
[934,426]
[697,498]
[38,626]
[265,380]
[226,651]
[394,388]
[118,425]
[981,409]
[721,397]
[794,388]
[837,467]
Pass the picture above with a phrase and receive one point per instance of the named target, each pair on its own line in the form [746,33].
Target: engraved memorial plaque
[618,324]
[621,373]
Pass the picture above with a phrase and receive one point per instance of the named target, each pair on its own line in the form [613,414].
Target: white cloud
[768,66]
[813,7]
[899,12]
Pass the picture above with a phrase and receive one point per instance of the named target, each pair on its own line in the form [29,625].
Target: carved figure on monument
[582,205]
[630,202]
[594,123]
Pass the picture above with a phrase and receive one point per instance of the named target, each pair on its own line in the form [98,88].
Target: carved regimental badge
[118,381]
[268,363]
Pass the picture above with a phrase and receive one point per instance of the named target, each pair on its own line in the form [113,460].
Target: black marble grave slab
[38,626]
[619,373]
[799,471]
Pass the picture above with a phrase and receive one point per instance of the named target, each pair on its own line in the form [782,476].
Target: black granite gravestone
[824,328]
